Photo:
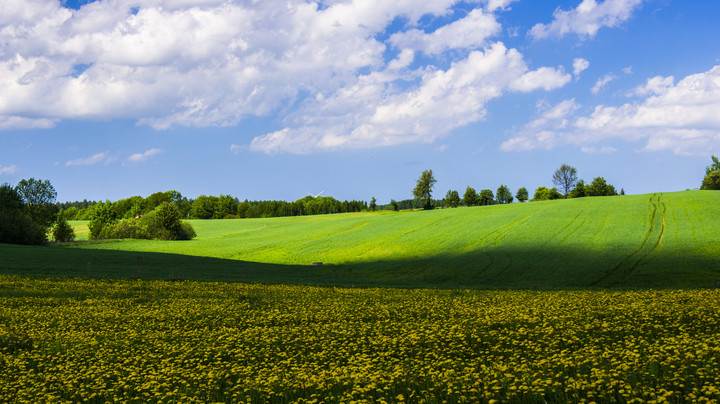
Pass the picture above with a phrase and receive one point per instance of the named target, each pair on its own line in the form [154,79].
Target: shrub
[62,232]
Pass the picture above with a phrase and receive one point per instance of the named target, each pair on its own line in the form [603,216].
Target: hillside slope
[654,240]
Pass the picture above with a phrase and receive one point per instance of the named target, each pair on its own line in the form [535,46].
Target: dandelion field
[84,340]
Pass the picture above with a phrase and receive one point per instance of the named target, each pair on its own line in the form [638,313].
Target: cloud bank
[325,70]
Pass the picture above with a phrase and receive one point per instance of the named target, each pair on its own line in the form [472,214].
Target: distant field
[654,240]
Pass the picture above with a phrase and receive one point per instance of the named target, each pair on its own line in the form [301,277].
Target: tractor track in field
[641,253]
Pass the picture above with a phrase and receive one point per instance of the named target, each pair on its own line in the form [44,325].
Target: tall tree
[565,178]
[39,198]
[471,197]
[373,204]
[503,194]
[452,198]
[522,194]
[423,189]
[600,187]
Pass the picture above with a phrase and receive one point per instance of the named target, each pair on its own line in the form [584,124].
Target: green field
[653,240]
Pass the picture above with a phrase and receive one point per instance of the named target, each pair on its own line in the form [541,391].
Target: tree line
[564,177]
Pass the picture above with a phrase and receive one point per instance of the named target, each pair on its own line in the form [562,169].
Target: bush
[544,194]
[17,227]
[162,223]
[62,232]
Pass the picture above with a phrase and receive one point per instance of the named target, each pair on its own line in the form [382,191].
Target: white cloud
[543,131]
[602,82]
[142,157]
[627,70]
[579,65]
[88,161]
[8,170]
[587,18]
[372,113]
[657,85]
[681,117]
[468,32]
[323,70]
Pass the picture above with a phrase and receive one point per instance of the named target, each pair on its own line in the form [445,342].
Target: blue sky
[280,99]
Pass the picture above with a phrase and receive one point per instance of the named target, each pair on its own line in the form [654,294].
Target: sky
[354,99]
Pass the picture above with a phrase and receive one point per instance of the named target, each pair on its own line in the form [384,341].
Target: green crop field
[653,240]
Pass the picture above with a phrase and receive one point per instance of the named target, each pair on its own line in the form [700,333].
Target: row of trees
[565,178]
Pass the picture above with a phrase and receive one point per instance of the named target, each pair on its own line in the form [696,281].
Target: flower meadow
[81,340]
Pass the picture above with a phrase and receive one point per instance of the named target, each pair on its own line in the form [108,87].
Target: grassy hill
[654,240]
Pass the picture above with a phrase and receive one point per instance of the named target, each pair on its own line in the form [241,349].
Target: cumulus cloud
[8,170]
[587,18]
[142,157]
[681,117]
[371,114]
[165,63]
[579,65]
[88,161]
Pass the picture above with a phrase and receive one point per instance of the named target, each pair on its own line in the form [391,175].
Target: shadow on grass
[499,267]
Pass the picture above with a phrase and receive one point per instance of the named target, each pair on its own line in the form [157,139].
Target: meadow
[94,341]
[635,241]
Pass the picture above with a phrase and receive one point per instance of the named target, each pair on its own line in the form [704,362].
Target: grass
[653,240]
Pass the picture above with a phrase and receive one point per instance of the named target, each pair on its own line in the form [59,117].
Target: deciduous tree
[452,198]
[423,189]
[470,198]
[522,194]
[39,199]
[565,178]
[503,194]
[486,197]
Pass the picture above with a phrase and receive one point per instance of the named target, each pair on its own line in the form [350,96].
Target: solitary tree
[522,194]
[504,195]
[452,198]
[373,204]
[471,197]
[565,178]
[423,189]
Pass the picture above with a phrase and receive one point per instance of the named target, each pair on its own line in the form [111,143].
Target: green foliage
[544,194]
[565,178]
[394,205]
[600,187]
[423,189]
[16,225]
[452,199]
[470,198]
[522,194]
[373,204]
[715,166]
[62,232]
[163,223]
[504,195]
[711,180]
[580,190]
[102,215]
[486,197]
